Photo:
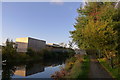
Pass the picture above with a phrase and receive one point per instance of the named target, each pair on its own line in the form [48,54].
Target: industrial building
[55,48]
[23,44]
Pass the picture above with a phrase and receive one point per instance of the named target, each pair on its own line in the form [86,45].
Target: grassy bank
[85,67]
[75,67]
[80,68]
[113,71]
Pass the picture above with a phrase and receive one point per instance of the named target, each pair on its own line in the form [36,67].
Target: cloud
[58,2]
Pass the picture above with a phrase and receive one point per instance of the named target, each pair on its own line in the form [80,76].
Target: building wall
[22,47]
[56,49]
[24,40]
[24,43]
[36,44]
[59,50]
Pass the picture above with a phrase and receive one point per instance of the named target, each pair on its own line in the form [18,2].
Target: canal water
[42,69]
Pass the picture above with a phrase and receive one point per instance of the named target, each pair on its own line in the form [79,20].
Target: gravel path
[96,70]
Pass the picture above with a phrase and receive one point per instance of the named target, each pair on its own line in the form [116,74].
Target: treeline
[98,30]
[58,55]
[10,54]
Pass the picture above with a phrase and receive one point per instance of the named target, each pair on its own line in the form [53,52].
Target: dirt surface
[96,69]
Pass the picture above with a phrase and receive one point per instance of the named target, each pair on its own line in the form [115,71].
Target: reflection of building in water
[34,69]
[27,70]
[31,69]
[20,71]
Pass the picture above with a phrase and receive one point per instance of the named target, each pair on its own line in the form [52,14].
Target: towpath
[97,71]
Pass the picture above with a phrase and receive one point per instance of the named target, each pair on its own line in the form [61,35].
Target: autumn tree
[97,28]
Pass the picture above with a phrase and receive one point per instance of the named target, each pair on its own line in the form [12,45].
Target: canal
[31,70]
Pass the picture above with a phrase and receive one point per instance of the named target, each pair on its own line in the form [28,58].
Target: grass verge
[85,67]
[80,68]
[76,67]
[113,71]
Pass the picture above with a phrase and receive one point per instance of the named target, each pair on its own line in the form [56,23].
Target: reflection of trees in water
[8,71]
[40,66]
[30,67]
[49,62]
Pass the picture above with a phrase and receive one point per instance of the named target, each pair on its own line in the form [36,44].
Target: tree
[97,28]
[71,44]
[8,51]
[30,52]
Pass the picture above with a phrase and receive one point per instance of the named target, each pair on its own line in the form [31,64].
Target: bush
[30,52]
[69,63]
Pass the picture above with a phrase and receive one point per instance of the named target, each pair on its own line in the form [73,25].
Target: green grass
[80,69]
[76,67]
[85,67]
[112,71]
[76,70]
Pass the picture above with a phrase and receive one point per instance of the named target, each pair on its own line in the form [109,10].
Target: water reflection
[41,69]
[27,70]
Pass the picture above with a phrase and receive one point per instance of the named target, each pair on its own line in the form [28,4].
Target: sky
[0,22]
[41,20]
